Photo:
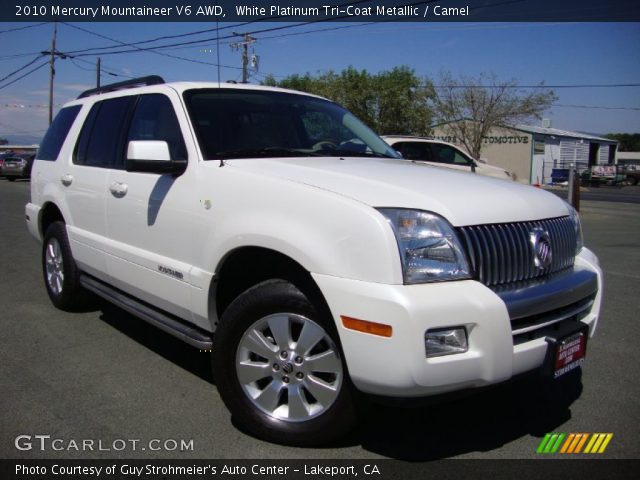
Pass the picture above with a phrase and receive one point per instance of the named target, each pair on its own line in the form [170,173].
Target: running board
[166,322]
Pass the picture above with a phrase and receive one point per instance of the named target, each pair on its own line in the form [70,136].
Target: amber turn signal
[367,327]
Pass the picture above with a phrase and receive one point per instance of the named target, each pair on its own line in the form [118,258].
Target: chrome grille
[502,253]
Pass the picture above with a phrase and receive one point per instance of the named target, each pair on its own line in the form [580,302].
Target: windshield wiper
[262,153]
[328,152]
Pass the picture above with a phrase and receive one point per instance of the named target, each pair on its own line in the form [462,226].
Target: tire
[59,270]
[275,388]
[11,179]
[630,181]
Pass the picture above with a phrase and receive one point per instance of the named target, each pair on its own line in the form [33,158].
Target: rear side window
[446,154]
[57,133]
[155,119]
[414,150]
[101,140]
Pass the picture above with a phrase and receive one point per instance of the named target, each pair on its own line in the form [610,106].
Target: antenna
[218,49]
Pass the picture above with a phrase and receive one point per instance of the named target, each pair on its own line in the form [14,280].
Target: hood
[460,197]
[492,171]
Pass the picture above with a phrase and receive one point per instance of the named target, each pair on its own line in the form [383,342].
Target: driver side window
[155,119]
[448,155]
[320,128]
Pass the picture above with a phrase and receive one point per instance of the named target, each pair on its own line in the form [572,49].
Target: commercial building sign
[492,139]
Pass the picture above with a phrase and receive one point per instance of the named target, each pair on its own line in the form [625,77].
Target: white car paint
[481,167]
[319,211]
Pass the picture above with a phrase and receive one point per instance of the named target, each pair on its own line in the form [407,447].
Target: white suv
[443,154]
[275,228]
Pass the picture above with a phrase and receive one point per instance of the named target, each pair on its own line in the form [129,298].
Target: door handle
[66,179]
[118,189]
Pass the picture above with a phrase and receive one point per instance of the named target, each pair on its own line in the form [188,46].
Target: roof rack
[134,82]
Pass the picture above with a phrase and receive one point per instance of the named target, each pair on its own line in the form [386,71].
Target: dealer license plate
[570,353]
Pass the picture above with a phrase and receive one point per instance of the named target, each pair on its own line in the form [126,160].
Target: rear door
[84,180]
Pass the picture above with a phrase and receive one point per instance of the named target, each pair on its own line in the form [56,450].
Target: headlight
[429,248]
[575,218]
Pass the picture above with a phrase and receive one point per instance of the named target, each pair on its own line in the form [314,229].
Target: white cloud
[38,93]
[76,87]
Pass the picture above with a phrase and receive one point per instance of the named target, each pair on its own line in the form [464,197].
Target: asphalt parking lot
[103,375]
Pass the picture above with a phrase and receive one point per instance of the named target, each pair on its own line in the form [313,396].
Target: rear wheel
[11,179]
[61,275]
[279,369]
[630,180]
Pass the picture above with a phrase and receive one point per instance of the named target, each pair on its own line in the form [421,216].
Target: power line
[17,55]
[87,52]
[22,28]
[596,107]
[136,49]
[21,68]
[198,32]
[104,69]
[22,76]
[306,32]
[593,85]
[151,40]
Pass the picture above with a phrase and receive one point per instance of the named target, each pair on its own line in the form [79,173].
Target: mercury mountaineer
[277,231]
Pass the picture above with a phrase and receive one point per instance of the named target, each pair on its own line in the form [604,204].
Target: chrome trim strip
[501,253]
[555,319]
[548,294]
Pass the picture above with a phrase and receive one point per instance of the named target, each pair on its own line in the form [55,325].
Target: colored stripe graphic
[573,443]
[581,444]
[543,443]
[590,444]
[565,447]
[599,442]
[556,446]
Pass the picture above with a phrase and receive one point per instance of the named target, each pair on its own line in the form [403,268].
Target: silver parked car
[17,167]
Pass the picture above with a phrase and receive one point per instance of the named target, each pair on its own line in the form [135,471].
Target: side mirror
[152,156]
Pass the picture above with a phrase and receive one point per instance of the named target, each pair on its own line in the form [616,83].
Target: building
[18,148]
[531,153]
[626,159]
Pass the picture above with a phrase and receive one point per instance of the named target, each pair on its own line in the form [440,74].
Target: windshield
[237,123]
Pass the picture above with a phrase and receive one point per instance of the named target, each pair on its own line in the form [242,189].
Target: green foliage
[390,102]
[629,142]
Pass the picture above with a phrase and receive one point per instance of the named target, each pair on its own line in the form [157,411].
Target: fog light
[445,341]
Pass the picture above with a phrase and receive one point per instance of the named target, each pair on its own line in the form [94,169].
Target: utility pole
[246,41]
[52,70]
[53,53]
[98,74]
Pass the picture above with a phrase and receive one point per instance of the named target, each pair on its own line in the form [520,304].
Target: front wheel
[279,369]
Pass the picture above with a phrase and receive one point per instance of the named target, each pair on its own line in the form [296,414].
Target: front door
[149,217]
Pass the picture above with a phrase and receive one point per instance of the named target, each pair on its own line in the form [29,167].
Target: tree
[629,142]
[390,102]
[4,141]
[468,108]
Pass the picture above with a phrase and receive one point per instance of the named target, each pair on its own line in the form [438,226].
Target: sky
[529,53]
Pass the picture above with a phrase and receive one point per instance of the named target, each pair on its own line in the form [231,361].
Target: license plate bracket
[567,349]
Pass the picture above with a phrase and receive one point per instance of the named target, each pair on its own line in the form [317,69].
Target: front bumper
[397,366]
